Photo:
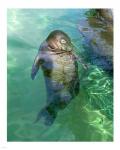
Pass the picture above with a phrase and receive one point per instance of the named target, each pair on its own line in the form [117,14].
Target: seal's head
[59,41]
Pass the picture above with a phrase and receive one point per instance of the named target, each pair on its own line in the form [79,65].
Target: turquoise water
[88,117]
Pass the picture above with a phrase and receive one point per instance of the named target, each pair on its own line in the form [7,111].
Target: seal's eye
[63,41]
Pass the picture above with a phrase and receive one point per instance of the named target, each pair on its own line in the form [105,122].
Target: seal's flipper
[34,72]
[35,66]
[85,66]
[47,114]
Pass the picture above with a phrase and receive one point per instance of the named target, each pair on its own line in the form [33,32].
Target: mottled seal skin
[60,69]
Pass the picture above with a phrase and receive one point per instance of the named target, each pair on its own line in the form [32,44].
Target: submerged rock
[105,14]
[98,39]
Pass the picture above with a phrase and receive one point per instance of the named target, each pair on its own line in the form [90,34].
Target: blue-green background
[88,117]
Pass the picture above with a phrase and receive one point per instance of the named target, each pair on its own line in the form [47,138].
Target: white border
[3,77]
[3,74]
[58,3]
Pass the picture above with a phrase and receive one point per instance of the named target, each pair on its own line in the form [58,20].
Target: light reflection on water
[88,117]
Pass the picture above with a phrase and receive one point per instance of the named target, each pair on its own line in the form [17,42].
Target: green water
[88,117]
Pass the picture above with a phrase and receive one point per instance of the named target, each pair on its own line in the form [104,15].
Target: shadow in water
[98,43]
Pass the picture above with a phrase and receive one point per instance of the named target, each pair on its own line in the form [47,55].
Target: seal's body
[60,70]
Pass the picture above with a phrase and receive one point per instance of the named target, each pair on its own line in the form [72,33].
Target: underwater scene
[59,75]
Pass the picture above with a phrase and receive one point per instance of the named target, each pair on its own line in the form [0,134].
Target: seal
[59,64]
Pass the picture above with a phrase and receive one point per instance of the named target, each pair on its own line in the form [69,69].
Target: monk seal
[60,69]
